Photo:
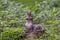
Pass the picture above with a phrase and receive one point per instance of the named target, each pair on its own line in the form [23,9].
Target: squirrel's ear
[29,12]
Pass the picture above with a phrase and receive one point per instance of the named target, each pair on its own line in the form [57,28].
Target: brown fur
[31,29]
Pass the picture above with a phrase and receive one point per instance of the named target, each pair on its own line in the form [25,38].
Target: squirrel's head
[29,16]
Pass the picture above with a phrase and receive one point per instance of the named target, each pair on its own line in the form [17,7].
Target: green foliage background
[13,13]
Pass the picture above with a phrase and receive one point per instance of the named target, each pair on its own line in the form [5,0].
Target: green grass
[46,13]
[27,1]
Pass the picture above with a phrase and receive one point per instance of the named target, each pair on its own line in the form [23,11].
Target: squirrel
[31,28]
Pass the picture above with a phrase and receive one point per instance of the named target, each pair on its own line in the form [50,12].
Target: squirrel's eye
[27,19]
